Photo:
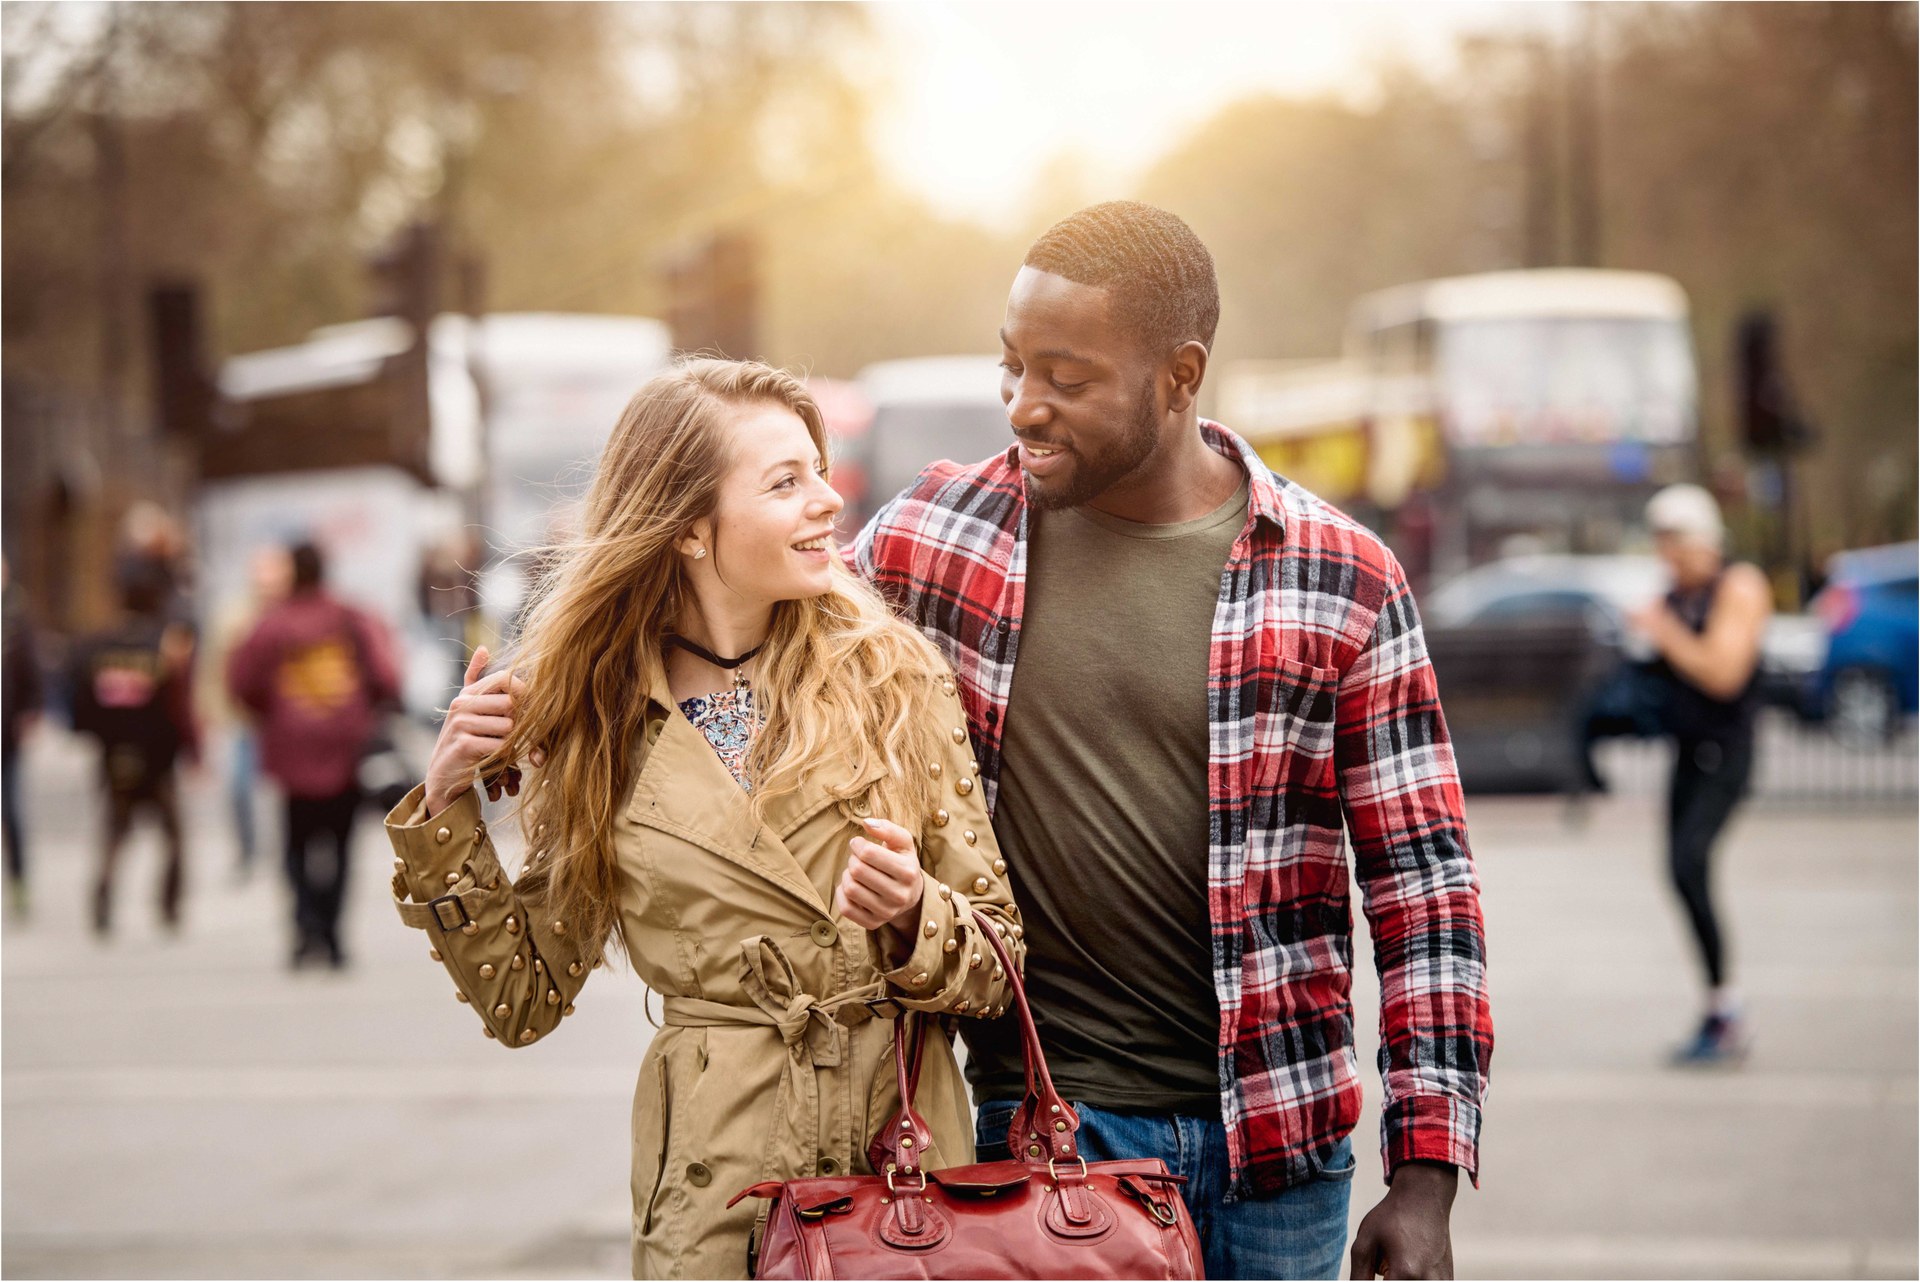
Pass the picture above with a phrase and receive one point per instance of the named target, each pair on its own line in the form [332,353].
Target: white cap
[1689,512]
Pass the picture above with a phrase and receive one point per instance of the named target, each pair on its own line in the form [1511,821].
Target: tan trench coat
[770,1065]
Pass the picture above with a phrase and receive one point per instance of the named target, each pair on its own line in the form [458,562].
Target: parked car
[1869,682]
[1521,644]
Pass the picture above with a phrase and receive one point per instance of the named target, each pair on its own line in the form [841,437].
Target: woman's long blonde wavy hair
[842,685]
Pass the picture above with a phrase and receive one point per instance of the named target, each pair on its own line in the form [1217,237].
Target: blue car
[1871,679]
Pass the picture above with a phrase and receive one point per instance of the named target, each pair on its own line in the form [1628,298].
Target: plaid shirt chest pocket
[1293,724]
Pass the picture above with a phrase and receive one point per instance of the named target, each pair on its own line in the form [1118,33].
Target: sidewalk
[189,1108]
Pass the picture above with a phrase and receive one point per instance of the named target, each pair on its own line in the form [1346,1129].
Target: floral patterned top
[726,718]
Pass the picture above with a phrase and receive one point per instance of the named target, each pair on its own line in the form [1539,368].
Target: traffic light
[406,276]
[183,390]
[713,292]
[1770,421]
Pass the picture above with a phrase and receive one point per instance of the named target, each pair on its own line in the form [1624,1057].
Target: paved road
[187,1108]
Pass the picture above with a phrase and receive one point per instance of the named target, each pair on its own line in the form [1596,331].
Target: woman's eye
[784,483]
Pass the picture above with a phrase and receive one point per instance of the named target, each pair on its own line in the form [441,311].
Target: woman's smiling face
[770,536]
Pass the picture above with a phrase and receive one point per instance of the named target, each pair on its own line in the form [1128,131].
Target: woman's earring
[698,553]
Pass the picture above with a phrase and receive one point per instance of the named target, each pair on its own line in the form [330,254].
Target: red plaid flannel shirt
[1324,716]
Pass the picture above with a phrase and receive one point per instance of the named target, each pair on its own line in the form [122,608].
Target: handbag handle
[1043,1126]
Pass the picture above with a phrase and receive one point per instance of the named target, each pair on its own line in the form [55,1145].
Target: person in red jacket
[315,673]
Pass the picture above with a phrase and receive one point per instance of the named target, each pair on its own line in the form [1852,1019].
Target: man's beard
[1093,477]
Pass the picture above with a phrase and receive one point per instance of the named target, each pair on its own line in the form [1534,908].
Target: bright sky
[980,97]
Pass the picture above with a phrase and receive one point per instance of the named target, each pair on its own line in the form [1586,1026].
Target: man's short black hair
[308,566]
[1158,274]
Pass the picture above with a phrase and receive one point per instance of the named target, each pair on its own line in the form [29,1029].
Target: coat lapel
[685,789]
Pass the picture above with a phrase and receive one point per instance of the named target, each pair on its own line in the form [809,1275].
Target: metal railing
[1796,763]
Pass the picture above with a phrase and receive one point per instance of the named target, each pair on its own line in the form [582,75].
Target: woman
[749,778]
[1707,633]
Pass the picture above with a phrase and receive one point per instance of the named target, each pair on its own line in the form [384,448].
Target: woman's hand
[883,882]
[477,723]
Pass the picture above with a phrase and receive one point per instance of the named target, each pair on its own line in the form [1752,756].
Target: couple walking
[1112,695]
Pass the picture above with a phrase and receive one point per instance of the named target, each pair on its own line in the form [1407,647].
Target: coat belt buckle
[440,914]
[893,1009]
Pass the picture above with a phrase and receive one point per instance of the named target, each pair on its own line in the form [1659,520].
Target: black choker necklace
[701,652]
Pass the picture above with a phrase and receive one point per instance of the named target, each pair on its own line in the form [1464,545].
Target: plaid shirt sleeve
[1401,794]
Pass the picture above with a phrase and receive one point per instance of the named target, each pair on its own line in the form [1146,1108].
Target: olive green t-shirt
[1102,812]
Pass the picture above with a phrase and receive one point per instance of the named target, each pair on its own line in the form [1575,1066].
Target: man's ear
[1187,371]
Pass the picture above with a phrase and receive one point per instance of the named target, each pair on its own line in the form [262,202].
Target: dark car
[1519,646]
[1522,645]
[1870,681]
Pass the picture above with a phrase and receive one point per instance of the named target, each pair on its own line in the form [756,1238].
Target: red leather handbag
[1048,1213]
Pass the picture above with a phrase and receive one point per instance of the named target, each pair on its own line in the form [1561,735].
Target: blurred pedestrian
[153,548]
[269,576]
[1707,633]
[132,691]
[315,673]
[20,704]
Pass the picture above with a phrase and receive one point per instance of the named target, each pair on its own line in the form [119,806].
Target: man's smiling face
[1080,394]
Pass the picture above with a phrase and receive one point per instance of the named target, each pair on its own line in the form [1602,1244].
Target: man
[314,673]
[19,715]
[1181,673]
[1707,633]
[132,691]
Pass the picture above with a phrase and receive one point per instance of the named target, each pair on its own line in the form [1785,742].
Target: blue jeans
[1298,1233]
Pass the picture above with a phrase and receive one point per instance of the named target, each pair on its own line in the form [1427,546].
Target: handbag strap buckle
[891,1172]
[1051,1170]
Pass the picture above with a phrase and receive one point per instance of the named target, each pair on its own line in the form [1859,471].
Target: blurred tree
[1763,155]
[266,150]
[1307,204]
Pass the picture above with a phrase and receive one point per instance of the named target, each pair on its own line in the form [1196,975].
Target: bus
[1475,416]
